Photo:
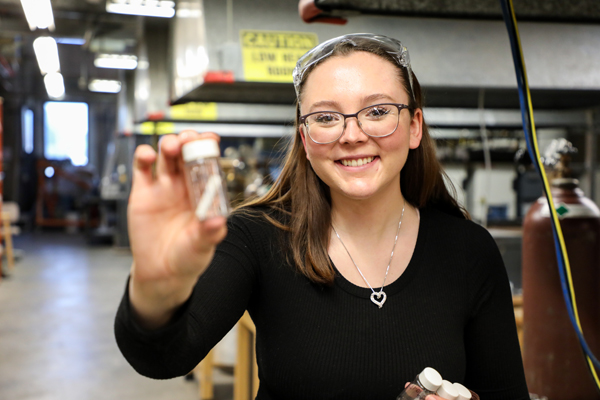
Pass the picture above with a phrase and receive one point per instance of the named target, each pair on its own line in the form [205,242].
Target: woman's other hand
[474,396]
[171,248]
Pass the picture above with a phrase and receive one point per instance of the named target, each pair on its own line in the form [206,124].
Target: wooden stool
[518,307]
[10,215]
[204,373]
[246,382]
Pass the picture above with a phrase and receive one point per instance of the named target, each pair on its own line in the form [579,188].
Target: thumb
[213,230]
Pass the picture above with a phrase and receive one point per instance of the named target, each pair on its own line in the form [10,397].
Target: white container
[447,390]
[205,181]
[426,383]
[463,392]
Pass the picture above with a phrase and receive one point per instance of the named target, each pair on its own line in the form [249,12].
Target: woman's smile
[353,163]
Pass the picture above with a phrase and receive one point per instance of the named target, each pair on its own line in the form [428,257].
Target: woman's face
[347,84]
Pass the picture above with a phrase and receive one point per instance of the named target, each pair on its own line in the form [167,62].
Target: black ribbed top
[451,310]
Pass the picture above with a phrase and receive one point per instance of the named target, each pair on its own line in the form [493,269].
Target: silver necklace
[378,298]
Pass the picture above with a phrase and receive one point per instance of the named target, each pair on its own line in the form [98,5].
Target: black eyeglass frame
[400,107]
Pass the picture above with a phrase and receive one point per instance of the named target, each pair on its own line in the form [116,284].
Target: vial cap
[463,392]
[430,379]
[447,390]
[202,148]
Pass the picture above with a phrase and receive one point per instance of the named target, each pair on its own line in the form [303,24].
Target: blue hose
[528,128]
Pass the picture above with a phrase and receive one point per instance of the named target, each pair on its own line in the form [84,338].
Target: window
[27,131]
[66,129]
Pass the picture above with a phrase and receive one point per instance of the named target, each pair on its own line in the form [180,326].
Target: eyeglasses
[379,120]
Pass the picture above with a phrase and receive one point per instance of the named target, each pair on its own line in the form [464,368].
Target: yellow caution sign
[270,56]
[156,128]
[165,128]
[147,128]
[195,111]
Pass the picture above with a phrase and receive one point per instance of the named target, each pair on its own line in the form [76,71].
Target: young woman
[358,268]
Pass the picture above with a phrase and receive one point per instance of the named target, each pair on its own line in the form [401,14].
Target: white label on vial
[207,199]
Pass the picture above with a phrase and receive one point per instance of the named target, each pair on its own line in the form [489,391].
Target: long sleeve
[494,365]
[219,299]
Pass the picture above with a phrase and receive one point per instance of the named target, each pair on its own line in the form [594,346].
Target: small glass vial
[205,182]
[447,390]
[426,383]
[463,392]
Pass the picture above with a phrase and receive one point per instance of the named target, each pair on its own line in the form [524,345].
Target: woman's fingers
[169,160]
[207,234]
[189,135]
[168,155]
[214,230]
[143,158]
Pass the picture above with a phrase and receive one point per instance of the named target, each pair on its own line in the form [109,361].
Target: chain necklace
[378,298]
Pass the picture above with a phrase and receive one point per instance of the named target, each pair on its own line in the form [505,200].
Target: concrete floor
[56,333]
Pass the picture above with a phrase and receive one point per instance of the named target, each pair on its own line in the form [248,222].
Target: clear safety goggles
[391,46]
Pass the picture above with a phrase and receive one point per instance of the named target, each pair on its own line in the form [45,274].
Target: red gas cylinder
[554,363]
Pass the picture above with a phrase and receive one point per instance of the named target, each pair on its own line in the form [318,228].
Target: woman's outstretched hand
[171,248]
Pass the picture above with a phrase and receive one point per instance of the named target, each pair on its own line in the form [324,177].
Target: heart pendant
[379,298]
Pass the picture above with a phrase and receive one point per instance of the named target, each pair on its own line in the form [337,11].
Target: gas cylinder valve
[557,157]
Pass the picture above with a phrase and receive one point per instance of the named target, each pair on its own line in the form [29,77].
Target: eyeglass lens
[379,120]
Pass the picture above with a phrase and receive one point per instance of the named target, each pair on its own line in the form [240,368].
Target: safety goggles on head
[391,46]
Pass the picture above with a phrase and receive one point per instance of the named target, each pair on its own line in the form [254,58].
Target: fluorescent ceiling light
[55,85]
[116,61]
[38,14]
[46,52]
[73,41]
[148,8]
[104,86]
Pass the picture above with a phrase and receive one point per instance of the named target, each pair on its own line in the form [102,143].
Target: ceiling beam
[532,10]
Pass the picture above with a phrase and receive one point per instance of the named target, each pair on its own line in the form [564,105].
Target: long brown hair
[304,199]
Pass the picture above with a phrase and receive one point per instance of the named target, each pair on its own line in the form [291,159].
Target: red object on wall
[219,77]
[309,12]
[156,116]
